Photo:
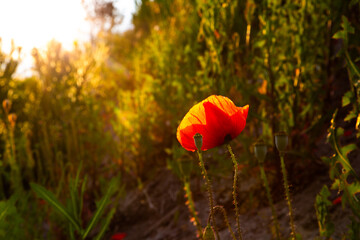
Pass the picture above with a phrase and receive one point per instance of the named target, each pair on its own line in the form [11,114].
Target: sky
[33,23]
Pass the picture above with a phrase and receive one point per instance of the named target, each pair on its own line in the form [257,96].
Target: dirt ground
[158,212]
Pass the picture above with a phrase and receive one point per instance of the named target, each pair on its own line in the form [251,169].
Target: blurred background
[92,92]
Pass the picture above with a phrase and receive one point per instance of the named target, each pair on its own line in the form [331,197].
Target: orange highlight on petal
[216,118]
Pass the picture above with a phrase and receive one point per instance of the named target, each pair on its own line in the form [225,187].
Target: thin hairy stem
[209,189]
[235,192]
[15,170]
[273,211]
[191,206]
[288,199]
[221,208]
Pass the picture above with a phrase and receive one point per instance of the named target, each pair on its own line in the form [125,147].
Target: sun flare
[34,23]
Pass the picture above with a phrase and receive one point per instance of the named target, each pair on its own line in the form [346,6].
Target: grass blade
[53,201]
[74,199]
[98,212]
[106,224]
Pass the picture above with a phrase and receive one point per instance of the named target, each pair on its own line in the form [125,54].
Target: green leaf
[322,204]
[3,212]
[339,35]
[74,195]
[99,211]
[350,116]
[74,199]
[343,34]
[345,150]
[106,224]
[347,98]
[82,191]
[260,43]
[336,184]
[354,188]
[340,152]
[347,26]
[53,201]
[355,70]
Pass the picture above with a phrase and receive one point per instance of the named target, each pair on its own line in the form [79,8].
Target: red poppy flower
[216,118]
[336,201]
[118,236]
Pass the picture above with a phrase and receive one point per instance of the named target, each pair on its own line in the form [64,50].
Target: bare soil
[158,211]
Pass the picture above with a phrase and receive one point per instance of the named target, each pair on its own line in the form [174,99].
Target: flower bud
[281,141]
[12,119]
[198,139]
[260,149]
[209,233]
[6,105]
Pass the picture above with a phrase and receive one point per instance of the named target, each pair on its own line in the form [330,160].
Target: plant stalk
[273,211]
[222,210]
[192,210]
[288,199]
[234,191]
[209,189]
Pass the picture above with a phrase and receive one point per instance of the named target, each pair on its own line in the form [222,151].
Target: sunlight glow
[34,23]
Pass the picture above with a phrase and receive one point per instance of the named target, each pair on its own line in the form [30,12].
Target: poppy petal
[223,103]
[214,118]
[186,136]
[238,120]
[218,125]
[118,236]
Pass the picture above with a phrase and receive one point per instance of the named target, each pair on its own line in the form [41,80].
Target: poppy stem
[209,189]
[234,190]
[226,219]
[191,206]
[288,199]
[266,185]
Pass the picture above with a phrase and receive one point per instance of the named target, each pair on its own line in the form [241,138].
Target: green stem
[273,211]
[221,208]
[209,189]
[234,191]
[15,170]
[192,210]
[286,186]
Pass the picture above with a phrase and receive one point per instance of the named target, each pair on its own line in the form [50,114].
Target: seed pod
[281,141]
[198,139]
[209,233]
[260,149]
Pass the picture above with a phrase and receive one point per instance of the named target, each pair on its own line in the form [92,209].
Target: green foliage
[54,202]
[345,180]
[113,105]
[322,204]
[72,211]
[11,222]
[341,152]
[351,96]
[180,162]
[354,230]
